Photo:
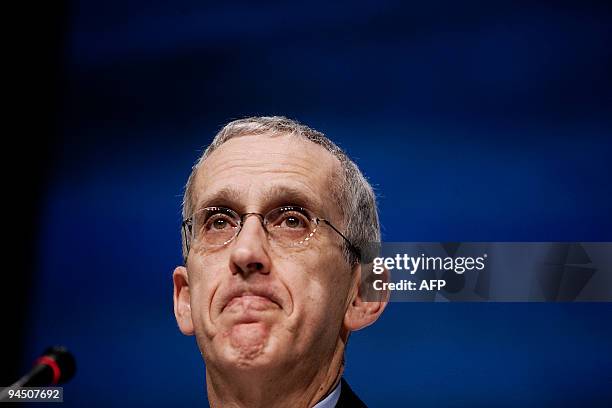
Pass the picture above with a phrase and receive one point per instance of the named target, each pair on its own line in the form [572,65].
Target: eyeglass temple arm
[352,247]
[185,226]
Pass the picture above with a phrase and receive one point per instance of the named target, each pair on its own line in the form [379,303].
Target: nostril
[251,267]
[255,266]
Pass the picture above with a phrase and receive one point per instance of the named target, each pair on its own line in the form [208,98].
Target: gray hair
[353,193]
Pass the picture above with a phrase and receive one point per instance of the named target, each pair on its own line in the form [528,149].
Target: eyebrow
[271,197]
[225,196]
[279,194]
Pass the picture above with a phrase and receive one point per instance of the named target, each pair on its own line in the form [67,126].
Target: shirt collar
[331,400]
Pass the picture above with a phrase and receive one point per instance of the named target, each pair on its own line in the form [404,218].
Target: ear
[366,304]
[182,305]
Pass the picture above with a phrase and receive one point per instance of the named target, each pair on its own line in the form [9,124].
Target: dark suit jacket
[348,399]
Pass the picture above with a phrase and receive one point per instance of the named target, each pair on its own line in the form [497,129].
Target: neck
[299,385]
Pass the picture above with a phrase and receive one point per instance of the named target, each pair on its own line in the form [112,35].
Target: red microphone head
[60,361]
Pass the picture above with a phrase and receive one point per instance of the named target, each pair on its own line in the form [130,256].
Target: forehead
[252,170]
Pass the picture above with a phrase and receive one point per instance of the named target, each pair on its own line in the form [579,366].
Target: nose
[249,253]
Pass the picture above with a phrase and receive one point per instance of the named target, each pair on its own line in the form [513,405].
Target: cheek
[319,291]
[203,285]
[199,307]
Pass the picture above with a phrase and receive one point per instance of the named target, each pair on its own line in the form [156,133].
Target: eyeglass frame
[187,224]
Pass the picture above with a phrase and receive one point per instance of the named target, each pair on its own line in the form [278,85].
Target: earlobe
[367,304]
[182,299]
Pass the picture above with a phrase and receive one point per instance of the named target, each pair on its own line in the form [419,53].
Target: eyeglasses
[287,226]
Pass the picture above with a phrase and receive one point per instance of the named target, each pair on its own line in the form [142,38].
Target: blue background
[475,121]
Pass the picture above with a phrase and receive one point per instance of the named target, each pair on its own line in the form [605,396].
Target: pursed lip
[253,291]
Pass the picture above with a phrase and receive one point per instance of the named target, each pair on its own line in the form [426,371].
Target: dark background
[475,121]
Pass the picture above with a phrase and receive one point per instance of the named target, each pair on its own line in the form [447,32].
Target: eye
[290,218]
[291,221]
[219,224]
[219,221]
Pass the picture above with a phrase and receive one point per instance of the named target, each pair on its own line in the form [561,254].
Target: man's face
[253,303]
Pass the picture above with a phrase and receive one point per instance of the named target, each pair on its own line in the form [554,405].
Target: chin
[249,346]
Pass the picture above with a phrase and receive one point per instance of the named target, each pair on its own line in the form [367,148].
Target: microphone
[55,366]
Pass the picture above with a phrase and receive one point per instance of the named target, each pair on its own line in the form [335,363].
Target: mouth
[252,300]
